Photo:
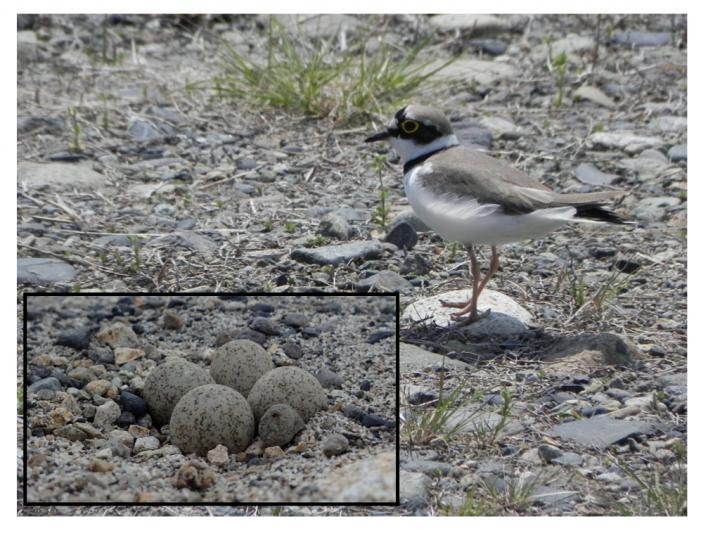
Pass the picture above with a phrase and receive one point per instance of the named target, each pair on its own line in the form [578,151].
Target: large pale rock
[371,480]
[504,318]
[482,72]
[58,176]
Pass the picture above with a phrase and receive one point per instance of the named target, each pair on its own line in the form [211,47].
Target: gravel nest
[222,198]
[73,457]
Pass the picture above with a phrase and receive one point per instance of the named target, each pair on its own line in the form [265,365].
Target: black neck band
[418,160]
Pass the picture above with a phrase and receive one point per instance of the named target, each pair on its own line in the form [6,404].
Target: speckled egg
[239,364]
[167,383]
[209,415]
[279,425]
[291,385]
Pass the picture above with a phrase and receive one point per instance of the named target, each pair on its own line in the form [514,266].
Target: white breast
[465,220]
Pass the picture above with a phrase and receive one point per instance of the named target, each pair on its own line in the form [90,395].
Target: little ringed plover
[469,197]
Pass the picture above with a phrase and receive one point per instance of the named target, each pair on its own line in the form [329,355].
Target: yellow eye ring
[410,126]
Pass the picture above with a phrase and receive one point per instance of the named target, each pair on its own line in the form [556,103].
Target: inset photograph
[276,399]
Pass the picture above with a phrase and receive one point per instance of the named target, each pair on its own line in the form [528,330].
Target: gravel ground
[178,191]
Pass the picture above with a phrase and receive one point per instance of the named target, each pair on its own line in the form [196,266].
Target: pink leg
[471,307]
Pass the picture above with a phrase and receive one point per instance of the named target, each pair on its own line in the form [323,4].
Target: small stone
[548,453]
[132,403]
[273,452]
[118,335]
[172,320]
[100,465]
[39,271]
[59,417]
[328,378]
[146,443]
[267,326]
[72,433]
[335,445]
[595,95]
[194,476]
[589,174]
[298,320]
[48,383]
[293,350]
[123,355]
[125,419]
[218,456]
[98,387]
[403,235]
[640,38]
[335,226]
[678,153]
[380,335]
[383,281]
[415,264]
[106,414]
[339,254]
[138,432]
[78,339]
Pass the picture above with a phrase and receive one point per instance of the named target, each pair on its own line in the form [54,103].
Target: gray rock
[141,130]
[48,383]
[504,318]
[384,281]
[335,445]
[431,468]
[267,326]
[187,239]
[669,123]
[370,480]
[298,320]
[290,385]
[626,141]
[503,128]
[595,95]
[415,264]
[641,38]
[279,425]
[493,47]
[120,240]
[339,254]
[403,235]
[570,459]
[59,176]
[647,169]
[146,443]
[408,215]
[39,271]
[472,23]
[414,488]
[209,415]
[413,358]
[589,174]
[481,72]
[678,153]
[328,378]
[335,226]
[548,453]
[654,209]
[599,431]
[51,125]
[106,414]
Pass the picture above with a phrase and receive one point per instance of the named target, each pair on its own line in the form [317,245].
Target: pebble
[415,264]
[493,47]
[132,403]
[267,326]
[78,339]
[43,271]
[383,281]
[589,174]
[195,477]
[106,414]
[335,226]
[273,452]
[627,141]
[125,419]
[339,254]
[380,335]
[641,38]
[218,456]
[123,355]
[335,445]
[298,320]
[403,235]
[48,383]
[293,350]
[172,320]
[138,432]
[678,153]
[599,431]
[100,465]
[328,378]
[98,387]
[146,443]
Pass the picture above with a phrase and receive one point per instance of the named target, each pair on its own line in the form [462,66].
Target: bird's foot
[459,305]
[471,318]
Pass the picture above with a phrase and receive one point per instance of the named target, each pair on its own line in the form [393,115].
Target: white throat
[409,149]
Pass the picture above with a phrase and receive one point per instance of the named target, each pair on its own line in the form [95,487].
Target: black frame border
[396,295]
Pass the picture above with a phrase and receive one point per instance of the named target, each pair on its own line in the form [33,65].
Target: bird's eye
[410,126]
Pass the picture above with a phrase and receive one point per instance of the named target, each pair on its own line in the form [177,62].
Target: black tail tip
[595,212]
